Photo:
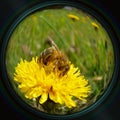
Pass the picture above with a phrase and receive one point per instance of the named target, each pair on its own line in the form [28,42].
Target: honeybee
[54,60]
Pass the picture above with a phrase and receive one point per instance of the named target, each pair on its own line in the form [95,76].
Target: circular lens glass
[60,60]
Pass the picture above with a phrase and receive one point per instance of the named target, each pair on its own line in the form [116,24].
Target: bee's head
[63,68]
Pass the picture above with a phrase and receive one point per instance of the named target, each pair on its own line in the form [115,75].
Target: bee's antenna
[49,39]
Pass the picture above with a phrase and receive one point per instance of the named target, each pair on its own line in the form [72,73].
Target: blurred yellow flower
[95,25]
[73,17]
[34,82]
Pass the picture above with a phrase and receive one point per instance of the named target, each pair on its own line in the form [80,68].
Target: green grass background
[88,49]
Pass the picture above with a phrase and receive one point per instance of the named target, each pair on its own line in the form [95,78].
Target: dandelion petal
[43,98]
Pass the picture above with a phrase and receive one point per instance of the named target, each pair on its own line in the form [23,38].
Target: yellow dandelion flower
[95,25]
[35,83]
[73,17]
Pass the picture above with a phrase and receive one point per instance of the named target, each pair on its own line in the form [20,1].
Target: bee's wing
[53,43]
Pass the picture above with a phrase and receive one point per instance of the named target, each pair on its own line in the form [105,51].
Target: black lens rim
[100,16]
